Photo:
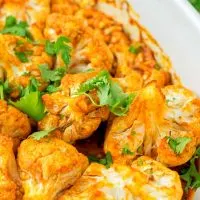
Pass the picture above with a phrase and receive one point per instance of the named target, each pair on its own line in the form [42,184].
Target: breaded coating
[34,12]
[13,123]
[10,181]
[48,166]
[18,72]
[76,117]
[145,131]
[146,179]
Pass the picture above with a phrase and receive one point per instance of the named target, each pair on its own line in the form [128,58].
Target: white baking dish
[176,27]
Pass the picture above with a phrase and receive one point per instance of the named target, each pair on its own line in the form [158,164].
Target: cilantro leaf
[52,88]
[16,28]
[127,151]
[5,89]
[31,101]
[59,47]
[21,56]
[1,92]
[41,134]
[178,144]
[53,77]
[190,174]
[109,93]
[10,21]
[107,160]
[196,4]
[134,50]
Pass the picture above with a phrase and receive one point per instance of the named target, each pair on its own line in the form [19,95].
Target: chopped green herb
[53,77]
[178,144]
[21,56]
[134,50]
[196,4]
[52,88]
[157,66]
[140,150]
[41,134]
[16,28]
[5,89]
[1,92]
[109,93]
[190,174]
[140,162]
[61,46]
[133,133]
[19,42]
[127,151]
[31,101]
[107,161]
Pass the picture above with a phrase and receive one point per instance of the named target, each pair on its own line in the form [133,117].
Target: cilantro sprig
[126,150]
[14,27]
[109,93]
[41,134]
[190,174]
[107,160]
[31,101]
[178,144]
[134,49]
[61,46]
[53,77]
[23,56]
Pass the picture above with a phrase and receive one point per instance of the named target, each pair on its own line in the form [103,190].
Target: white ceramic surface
[176,26]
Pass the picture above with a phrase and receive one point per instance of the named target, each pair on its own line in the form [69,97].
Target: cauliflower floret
[76,117]
[13,123]
[10,181]
[113,33]
[89,51]
[146,179]
[183,107]
[48,166]
[33,11]
[146,131]
[18,72]
[164,152]
[67,25]
[70,6]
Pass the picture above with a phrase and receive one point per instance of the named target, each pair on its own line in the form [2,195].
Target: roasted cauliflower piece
[13,123]
[183,107]
[146,131]
[10,181]
[76,117]
[70,6]
[18,72]
[48,166]
[34,12]
[145,179]
[130,55]
[89,52]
